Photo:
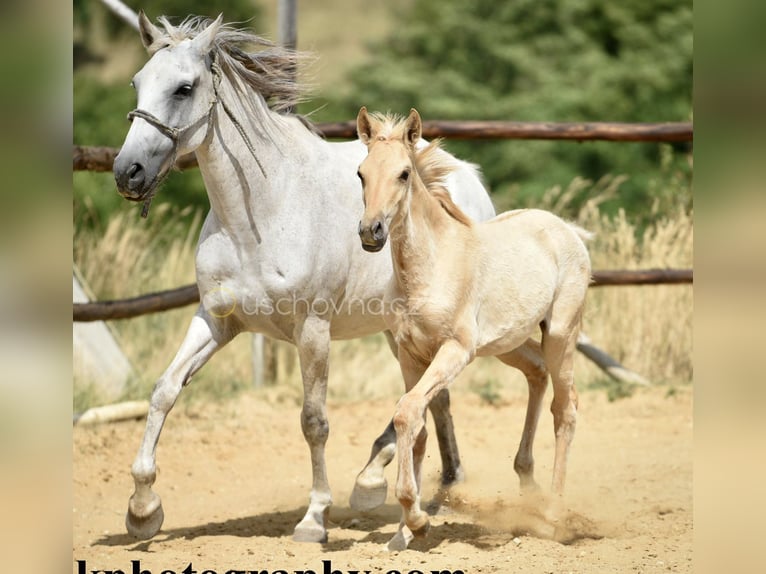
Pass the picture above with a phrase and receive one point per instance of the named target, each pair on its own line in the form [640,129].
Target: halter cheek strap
[175,133]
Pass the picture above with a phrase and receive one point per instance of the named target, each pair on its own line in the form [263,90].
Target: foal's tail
[581,232]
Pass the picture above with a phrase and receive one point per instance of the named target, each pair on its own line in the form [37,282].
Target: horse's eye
[360,176]
[183,90]
[405,175]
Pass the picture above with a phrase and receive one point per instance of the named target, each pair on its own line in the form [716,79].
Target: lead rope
[240,129]
[174,135]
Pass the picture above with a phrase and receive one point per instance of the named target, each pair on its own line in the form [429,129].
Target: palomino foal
[463,289]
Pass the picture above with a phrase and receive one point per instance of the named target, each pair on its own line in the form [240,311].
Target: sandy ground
[234,479]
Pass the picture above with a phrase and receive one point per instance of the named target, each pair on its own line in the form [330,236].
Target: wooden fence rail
[182,296]
[605,131]
[99,158]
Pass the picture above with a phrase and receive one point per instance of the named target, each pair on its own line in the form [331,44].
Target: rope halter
[175,134]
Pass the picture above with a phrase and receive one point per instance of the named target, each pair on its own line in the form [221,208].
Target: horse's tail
[581,232]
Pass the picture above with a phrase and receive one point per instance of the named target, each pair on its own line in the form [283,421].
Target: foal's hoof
[310,532]
[146,524]
[368,495]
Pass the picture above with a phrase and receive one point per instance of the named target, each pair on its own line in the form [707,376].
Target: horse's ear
[205,39]
[149,32]
[364,126]
[413,127]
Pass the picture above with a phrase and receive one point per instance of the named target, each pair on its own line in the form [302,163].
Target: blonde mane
[431,163]
[433,166]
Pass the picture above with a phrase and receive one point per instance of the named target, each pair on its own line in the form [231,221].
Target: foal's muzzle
[373,236]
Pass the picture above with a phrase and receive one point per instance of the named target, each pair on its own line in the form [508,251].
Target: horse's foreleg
[312,337]
[529,360]
[371,487]
[145,514]
[409,421]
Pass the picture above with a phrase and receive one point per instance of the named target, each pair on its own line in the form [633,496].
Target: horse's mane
[433,166]
[431,163]
[267,68]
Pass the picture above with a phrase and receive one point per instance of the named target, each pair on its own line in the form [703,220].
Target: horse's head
[176,92]
[385,173]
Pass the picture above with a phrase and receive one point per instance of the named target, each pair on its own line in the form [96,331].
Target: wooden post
[287,16]
[259,343]
[123,12]
[286,22]
[287,31]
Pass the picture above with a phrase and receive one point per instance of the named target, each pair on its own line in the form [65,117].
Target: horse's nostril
[377,230]
[135,170]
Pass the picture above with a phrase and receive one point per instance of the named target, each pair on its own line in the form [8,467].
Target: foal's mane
[431,163]
[433,166]
[267,68]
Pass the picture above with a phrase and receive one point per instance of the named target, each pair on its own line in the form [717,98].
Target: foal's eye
[405,175]
[360,176]
[183,90]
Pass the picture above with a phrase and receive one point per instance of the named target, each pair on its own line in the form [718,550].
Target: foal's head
[386,172]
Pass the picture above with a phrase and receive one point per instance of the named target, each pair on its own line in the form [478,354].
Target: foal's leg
[203,339]
[559,343]
[371,487]
[529,360]
[409,421]
[412,371]
[312,337]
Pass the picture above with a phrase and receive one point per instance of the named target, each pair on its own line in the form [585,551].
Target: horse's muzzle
[373,236]
[131,182]
[130,177]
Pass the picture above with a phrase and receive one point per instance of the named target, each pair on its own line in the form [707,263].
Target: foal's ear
[413,127]
[206,39]
[149,32]
[364,126]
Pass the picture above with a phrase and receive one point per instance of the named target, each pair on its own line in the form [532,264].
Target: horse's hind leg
[371,487]
[559,344]
[452,469]
[529,360]
[145,514]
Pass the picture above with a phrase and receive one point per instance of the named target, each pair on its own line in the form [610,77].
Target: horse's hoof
[421,530]
[145,527]
[369,496]
[400,541]
[310,532]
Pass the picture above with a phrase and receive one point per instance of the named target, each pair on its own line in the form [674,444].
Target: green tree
[541,60]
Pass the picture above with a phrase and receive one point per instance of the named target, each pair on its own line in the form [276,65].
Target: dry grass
[648,328]
[132,256]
